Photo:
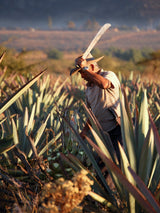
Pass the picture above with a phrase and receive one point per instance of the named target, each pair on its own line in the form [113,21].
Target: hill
[33,13]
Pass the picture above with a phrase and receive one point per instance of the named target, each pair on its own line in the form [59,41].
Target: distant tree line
[92,25]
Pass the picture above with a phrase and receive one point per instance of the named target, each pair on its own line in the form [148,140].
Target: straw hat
[90,60]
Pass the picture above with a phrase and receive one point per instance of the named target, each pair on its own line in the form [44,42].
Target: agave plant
[137,182]
[31,122]
[134,93]
[31,131]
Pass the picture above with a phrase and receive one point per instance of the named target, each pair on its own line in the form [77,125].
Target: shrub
[55,54]
[12,61]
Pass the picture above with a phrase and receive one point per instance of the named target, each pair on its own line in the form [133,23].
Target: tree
[71,25]
[153,61]
[55,54]
[50,22]
[91,25]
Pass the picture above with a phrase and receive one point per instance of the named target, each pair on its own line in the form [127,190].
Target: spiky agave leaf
[6,144]
[147,157]
[5,105]
[124,166]
[145,191]
[143,126]
[89,153]
[156,135]
[128,137]
[99,132]
[131,188]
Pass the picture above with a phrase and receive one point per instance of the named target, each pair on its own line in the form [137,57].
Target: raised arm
[90,73]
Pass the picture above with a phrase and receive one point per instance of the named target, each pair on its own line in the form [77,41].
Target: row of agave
[40,142]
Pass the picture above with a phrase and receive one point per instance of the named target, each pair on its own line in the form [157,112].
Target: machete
[91,45]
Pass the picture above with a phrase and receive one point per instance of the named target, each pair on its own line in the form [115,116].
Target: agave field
[45,166]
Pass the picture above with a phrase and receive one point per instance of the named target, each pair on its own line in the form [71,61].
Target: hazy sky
[33,13]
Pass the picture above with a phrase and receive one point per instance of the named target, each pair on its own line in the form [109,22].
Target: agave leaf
[94,123]
[39,134]
[6,104]
[62,98]
[155,175]
[131,188]
[98,129]
[47,98]
[2,56]
[131,76]
[50,143]
[124,165]
[34,150]
[26,117]
[77,165]
[3,76]
[156,135]
[6,144]
[58,90]
[106,152]
[70,101]
[15,133]
[145,191]
[97,197]
[4,119]
[156,117]
[91,157]
[100,143]
[44,85]
[39,103]
[143,126]
[146,158]
[23,142]
[127,135]
[31,119]
[56,84]
[127,108]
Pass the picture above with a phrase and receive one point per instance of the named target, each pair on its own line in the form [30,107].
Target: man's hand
[81,62]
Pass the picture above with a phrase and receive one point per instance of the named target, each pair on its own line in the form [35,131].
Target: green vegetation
[41,150]
[55,54]
[152,62]
[133,55]
[11,61]
[142,62]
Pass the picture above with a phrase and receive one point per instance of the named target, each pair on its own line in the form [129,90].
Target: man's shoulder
[108,73]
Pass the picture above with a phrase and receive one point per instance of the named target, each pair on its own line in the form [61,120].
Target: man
[102,96]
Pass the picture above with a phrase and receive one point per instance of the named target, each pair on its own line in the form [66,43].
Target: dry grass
[76,40]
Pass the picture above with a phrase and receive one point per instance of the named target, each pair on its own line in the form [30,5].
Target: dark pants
[116,137]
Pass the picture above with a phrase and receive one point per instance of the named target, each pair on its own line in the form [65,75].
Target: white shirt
[105,103]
